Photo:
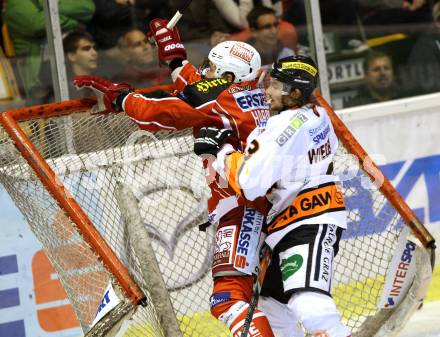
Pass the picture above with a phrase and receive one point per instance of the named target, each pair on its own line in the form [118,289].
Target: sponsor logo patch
[307,204]
[314,131]
[173,46]
[237,88]
[260,116]
[242,53]
[327,254]
[109,301]
[300,66]
[224,240]
[251,100]
[166,38]
[205,85]
[248,239]
[291,265]
[401,272]
[400,276]
[219,298]
[288,132]
[322,135]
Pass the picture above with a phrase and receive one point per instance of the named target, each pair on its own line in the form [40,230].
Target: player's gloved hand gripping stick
[167,37]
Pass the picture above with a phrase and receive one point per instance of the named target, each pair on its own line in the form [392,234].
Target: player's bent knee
[318,312]
[230,295]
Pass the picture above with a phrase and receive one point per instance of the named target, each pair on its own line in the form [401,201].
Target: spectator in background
[114,17]
[294,11]
[264,26]
[424,59]
[235,12]
[81,58]
[389,13]
[139,63]
[27,27]
[379,81]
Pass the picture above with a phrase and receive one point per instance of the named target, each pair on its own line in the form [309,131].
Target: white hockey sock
[317,312]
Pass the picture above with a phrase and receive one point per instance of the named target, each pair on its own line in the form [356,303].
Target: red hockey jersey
[198,103]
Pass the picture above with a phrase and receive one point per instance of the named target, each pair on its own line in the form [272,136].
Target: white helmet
[239,58]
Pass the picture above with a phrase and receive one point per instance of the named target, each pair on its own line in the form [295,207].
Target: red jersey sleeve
[169,113]
[188,74]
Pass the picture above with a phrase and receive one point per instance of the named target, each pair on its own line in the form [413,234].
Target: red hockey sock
[230,304]
[259,326]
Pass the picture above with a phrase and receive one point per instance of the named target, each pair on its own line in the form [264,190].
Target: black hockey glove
[210,140]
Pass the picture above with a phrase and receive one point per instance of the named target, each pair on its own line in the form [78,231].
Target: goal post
[139,239]
[387,322]
[70,201]
[69,205]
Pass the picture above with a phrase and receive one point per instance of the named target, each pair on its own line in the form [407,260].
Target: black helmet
[299,72]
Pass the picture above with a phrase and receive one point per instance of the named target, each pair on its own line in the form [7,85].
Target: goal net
[65,169]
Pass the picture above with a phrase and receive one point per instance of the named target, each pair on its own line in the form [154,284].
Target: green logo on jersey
[291,265]
[296,123]
[299,120]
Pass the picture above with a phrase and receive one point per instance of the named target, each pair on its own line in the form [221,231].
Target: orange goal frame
[347,139]
[9,121]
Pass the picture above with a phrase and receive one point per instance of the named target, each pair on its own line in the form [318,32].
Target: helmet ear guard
[296,72]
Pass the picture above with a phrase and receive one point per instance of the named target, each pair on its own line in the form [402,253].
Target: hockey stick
[178,14]
[176,17]
[256,289]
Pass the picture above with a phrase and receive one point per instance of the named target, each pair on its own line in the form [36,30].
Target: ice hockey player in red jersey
[225,95]
[291,163]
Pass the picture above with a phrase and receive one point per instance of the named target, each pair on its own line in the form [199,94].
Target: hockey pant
[296,290]
[237,243]
[310,311]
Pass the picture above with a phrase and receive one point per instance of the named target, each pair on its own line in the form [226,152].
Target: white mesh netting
[168,181]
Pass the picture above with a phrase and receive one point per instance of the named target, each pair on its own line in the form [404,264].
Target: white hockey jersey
[290,162]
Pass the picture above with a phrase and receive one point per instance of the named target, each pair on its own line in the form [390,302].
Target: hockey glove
[168,41]
[106,92]
[211,140]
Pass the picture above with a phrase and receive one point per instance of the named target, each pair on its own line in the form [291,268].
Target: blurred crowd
[377,50]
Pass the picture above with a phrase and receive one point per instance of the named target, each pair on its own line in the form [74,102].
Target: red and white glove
[106,92]
[168,41]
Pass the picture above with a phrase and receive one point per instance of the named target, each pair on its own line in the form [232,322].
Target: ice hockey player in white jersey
[290,163]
